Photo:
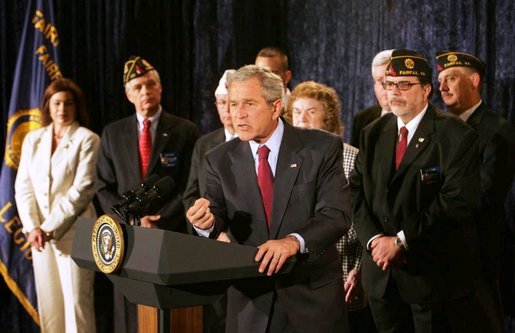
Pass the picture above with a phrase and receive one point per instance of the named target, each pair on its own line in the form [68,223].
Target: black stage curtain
[191,43]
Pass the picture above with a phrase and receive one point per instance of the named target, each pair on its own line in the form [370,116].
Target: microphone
[161,190]
[120,208]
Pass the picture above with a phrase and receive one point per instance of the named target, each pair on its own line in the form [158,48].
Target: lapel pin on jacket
[294,165]
[420,140]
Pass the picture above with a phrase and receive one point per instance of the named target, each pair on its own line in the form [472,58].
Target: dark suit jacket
[497,154]
[197,178]
[311,199]
[362,119]
[118,163]
[433,198]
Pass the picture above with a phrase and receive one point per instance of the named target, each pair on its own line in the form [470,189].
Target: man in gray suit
[281,189]
[122,165]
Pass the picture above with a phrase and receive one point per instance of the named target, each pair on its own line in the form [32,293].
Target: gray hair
[382,58]
[271,84]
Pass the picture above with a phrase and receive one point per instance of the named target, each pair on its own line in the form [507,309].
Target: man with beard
[415,191]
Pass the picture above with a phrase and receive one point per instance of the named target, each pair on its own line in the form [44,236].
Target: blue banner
[36,66]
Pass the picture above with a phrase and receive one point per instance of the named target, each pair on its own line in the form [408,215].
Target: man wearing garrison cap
[214,314]
[151,141]
[461,78]
[415,191]
[197,179]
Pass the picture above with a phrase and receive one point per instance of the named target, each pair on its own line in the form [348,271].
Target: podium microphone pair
[138,202]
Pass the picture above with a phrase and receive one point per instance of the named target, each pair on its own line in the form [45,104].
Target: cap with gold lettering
[446,59]
[408,63]
[135,67]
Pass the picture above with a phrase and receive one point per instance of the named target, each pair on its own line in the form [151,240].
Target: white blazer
[51,191]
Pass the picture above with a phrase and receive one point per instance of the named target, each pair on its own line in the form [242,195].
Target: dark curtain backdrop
[191,43]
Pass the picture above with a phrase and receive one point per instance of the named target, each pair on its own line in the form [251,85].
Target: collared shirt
[412,126]
[383,112]
[229,136]
[273,143]
[153,125]
[466,115]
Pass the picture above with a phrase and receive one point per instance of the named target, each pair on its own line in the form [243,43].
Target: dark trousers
[488,304]
[361,321]
[391,314]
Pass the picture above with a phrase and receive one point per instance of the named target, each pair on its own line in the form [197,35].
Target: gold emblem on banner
[452,57]
[409,63]
[19,124]
[107,244]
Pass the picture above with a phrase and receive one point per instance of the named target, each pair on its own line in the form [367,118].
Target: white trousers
[64,290]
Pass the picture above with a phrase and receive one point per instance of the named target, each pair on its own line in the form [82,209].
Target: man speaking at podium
[283,190]
[133,148]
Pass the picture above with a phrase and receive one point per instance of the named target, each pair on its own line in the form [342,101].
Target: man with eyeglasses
[414,195]
[213,314]
[461,78]
[197,178]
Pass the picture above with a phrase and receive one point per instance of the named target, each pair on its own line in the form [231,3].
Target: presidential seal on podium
[107,244]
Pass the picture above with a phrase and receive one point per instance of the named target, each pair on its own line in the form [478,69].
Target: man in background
[368,115]
[197,178]
[461,78]
[276,60]
[214,314]
[149,142]
[415,192]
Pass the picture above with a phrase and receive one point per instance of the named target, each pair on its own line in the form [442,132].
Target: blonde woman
[315,105]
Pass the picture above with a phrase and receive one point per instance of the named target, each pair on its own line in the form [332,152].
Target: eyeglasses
[401,85]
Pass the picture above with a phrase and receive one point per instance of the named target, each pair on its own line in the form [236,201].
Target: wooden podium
[168,270]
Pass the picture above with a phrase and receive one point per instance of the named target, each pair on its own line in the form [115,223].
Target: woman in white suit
[55,185]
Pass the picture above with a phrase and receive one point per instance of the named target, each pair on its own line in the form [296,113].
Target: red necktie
[265,181]
[401,147]
[145,147]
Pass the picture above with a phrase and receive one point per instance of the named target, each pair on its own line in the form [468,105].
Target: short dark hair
[68,85]
[274,51]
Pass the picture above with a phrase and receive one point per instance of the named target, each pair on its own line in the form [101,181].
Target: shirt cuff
[303,248]
[403,239]
[371,239]
[204,233]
